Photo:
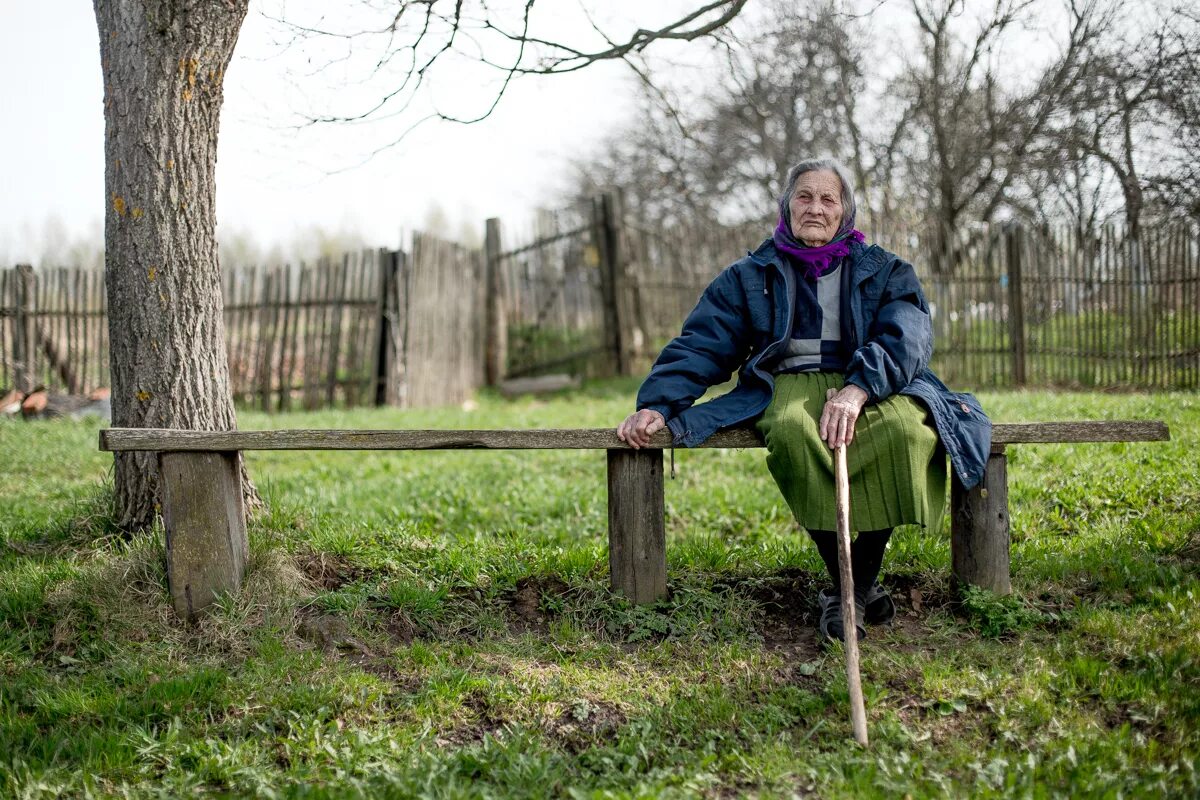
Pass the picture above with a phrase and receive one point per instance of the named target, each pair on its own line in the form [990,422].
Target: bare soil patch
[584,723]
[331,572]
[529,601]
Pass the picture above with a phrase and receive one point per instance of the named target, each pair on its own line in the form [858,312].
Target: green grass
[439,625]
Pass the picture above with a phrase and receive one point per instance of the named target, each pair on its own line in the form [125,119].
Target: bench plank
[160,439]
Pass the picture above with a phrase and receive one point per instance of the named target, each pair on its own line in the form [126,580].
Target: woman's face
[816,207]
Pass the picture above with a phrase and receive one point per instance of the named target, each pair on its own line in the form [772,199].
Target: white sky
[272,183]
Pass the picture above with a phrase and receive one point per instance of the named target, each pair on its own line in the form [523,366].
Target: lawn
[439,625]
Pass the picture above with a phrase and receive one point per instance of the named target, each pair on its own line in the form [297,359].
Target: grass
[439,625]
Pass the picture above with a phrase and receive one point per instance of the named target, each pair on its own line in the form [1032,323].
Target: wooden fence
[53,329]
[1014,307]
[445,325]
[371,328]
[304,336]
[1052,307]
[590,292]
[368,328]
[550,293]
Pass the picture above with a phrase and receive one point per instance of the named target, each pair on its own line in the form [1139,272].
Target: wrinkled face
[816,207]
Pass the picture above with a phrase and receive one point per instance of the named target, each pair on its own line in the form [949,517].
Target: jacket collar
[766,254]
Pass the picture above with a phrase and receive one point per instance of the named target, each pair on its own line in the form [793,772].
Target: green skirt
[896,463]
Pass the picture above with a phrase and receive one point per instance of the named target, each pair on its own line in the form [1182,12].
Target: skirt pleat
[896,464]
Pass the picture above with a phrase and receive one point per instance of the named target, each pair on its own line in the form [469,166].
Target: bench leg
[205,518]
[979,529]
[637,539]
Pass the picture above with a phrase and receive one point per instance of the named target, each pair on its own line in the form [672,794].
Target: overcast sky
[272,182]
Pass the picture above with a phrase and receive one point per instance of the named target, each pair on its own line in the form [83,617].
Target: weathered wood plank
[1080,431]
[637,539]
[532,439]
[979,530]
[496,315]
[542,384]
[115,439]
[205,519]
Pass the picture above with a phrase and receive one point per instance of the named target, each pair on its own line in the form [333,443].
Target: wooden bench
[205,522]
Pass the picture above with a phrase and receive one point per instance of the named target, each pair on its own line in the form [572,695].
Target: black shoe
[878,606]
[831,624]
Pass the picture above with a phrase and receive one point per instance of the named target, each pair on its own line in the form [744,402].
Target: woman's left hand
[840,413]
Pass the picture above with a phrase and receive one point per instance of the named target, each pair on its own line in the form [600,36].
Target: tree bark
[164,64]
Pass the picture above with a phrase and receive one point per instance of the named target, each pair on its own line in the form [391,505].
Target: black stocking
[866,555]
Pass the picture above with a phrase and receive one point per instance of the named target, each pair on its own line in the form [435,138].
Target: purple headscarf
[821,260]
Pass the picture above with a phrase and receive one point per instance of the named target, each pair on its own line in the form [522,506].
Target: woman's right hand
[639,426]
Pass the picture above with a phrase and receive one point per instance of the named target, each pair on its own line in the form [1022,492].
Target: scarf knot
[820,260]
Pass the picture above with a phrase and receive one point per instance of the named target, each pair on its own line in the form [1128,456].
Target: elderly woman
[831,338]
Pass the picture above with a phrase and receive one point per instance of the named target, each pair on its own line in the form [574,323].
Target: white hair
[816,165]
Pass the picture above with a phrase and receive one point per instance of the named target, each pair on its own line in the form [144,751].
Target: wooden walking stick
[858,711]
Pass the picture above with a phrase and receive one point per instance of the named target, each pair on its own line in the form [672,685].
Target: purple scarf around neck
[817,261]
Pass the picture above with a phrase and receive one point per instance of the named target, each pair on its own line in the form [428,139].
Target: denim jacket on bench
[744,317]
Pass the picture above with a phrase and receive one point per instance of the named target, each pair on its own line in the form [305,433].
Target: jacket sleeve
[899,338]
[712,345]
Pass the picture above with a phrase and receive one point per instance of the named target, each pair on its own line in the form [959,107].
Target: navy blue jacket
[745,316]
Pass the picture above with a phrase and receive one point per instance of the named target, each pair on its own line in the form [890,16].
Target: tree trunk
[164,65]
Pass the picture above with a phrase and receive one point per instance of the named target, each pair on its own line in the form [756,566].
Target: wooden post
[385,350]
[23,336]
[205,519]
[1016,304]
[637,549]
[606,236]
[266,339]
[399,392]
[496,326]
[341,276]
[979,529]
[287,312]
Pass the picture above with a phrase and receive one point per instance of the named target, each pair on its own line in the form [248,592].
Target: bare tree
[1110,118]
[787,92]
[399,45]
[971,132]
[954,137]
[163,64]
[773,93]
[1173,182]
[1133,115]
[652,160]
[1139,115]
[1125,137]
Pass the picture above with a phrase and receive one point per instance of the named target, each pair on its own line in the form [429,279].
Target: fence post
[24,346]
[496,324]
[398,391]
[606,221]
[1016,303]
[385,351]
